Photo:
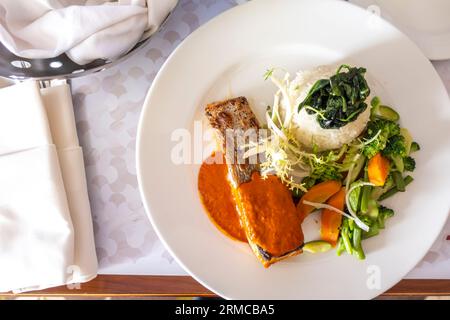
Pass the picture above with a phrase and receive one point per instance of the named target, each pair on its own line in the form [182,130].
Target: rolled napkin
[84,29]
[46,236]
[58,104]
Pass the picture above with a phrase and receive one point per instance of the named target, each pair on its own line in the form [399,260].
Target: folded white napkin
[46,236]
[58,104]
[84,29]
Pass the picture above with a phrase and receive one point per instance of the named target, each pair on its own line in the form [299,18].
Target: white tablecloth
[107,107]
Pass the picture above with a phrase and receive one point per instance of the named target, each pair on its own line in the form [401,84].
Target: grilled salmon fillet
[265,206]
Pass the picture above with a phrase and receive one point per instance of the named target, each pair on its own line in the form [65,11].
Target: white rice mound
[305,126]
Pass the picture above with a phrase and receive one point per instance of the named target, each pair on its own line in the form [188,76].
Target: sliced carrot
[319,193]
[378,169]
[331,220]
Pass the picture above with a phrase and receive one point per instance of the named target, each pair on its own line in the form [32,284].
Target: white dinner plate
[228,57]
[426,22]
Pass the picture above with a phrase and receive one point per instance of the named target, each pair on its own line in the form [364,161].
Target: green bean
[366,190]
[351,224]
[407,180]
[398,162]
[345,236]
[365,194]
[399,182]
[358,250]
[347,243]
[378,191]
[340,247]
[373,231]
[380,220]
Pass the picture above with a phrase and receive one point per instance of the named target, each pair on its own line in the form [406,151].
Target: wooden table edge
[184,286]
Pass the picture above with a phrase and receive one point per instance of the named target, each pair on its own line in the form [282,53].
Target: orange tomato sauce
[217,197]
[270,215]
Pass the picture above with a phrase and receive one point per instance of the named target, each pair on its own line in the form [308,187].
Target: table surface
[107,108]
[122,286]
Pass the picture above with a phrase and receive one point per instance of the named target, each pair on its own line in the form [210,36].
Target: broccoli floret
[415,147]
[386,212]
[372,148]
[387,130]
[325,173]
[395,146]
[308,182]
[390,128]
[410,163]
[383,214]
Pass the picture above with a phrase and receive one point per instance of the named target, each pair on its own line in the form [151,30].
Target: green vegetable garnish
[378,191]
[398,162]
[355,197]
[409,163]
[383,214]
[338,100]
[325,172]
[399,182]
[345,231]
[374,231]
[317,246]
[408,139]
[340,247]
[365,195]
[407,180]
[268,73]
[395,146]
[385,112]
[375,102]
[308,182]
[335,102]
[357,168]
[414,147]
[357,248]
[373,209]
[382,131]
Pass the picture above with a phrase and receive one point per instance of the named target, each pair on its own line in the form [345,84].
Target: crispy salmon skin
[227,118]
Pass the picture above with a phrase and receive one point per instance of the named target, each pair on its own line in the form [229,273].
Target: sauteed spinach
[338,100]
